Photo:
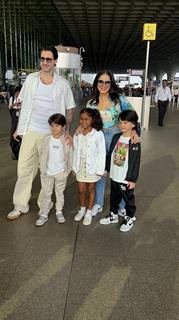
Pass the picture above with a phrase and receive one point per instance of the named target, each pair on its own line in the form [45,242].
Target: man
[162,97]
[43,94]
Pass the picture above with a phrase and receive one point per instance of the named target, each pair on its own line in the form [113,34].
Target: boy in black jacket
[123,161]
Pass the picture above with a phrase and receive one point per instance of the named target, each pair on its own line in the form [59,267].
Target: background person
[162,98]
[43,94]
[14,107]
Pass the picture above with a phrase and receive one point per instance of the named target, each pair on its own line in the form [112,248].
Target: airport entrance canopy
[109,31]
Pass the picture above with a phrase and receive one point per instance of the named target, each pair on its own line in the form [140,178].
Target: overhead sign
[122,78]
[149,31]
[156,82]
[139,72]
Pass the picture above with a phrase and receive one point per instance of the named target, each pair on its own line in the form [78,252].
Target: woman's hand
[135,137]
[106,174]
[131,185]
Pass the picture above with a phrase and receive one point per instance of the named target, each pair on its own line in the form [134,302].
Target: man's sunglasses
[42,59]
[106,83]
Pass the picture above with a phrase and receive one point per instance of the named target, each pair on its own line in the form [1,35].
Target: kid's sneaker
[127,223]
[96,209]
[79,215]
[112,218]
[87,218]
[41,220]
[122,212]
[60,217]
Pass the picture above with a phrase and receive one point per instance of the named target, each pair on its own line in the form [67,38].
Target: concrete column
[5,33]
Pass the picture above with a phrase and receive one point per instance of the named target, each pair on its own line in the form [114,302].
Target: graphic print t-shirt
[119,160]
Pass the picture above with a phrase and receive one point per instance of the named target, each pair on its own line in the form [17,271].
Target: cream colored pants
[27,168]
[48,183]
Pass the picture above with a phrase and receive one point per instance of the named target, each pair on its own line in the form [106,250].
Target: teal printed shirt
[109,116]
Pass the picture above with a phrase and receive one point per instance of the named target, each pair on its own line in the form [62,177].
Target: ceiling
[109,30]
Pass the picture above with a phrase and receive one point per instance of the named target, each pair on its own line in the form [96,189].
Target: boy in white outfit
[55,165]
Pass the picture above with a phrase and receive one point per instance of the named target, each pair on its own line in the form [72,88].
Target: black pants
[14,121]
[119,191]
[162,108]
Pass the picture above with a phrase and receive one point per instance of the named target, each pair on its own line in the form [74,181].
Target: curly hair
[97,122]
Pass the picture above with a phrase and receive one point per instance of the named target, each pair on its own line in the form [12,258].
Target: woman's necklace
[104,105]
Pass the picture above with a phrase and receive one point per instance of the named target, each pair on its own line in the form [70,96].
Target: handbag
[15,147]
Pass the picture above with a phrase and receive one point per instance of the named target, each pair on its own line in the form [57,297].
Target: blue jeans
[100,185]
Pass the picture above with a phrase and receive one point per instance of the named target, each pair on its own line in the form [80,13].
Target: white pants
[27,168]
[47,183]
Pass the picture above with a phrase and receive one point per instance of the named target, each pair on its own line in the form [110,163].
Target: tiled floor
[73,272]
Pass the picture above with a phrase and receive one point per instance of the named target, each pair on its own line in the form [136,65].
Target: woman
[105,99]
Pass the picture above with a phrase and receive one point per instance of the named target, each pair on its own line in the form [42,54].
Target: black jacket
[134,158]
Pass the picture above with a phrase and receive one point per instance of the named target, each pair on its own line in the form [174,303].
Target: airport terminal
[66,267]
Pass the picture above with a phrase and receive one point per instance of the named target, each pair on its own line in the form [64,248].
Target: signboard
[137,72]
[149,31]
[122,78]
[156,82]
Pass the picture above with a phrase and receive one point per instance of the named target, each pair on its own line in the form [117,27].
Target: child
[55,165]
[123,162]
[89,160]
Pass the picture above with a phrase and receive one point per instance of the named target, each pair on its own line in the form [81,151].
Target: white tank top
[42,108]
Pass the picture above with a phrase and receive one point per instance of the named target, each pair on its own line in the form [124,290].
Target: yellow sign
[149,31]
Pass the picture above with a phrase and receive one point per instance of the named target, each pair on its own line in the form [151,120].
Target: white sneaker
[96,209]
[127,223]
[79,215]
[14,214]
[41,220]
[112,218]
[122,212]
[60,217]
[87,218]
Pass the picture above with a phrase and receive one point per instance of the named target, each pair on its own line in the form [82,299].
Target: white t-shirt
[119,160]
[56,160]
[42,108]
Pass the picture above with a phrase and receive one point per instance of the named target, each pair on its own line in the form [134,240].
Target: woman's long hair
[113,92]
